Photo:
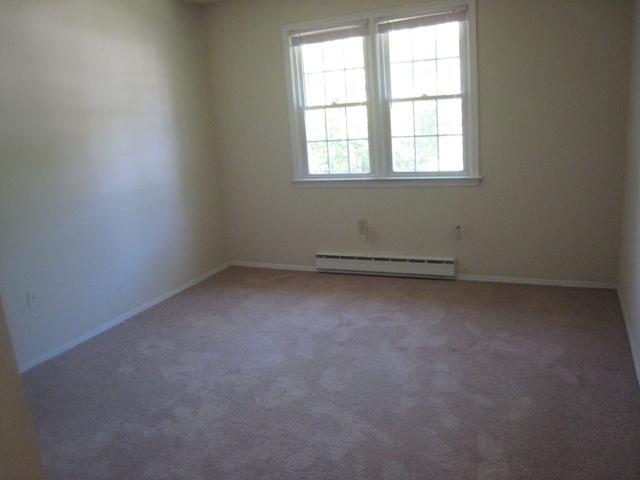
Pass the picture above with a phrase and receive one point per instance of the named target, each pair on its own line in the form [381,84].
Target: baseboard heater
[423,267]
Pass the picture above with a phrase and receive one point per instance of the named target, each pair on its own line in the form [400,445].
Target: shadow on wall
[102,180]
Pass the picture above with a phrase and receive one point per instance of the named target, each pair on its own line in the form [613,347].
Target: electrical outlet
[33,300]
[363,226]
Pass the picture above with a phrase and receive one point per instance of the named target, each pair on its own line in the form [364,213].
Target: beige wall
[108,187]
[552,81]
[629,280]
[19,454]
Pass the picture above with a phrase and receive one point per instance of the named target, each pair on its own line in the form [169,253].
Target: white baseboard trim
[275,266]
[112,323]
[635,350]
[475,278]
[537,281]
[303,268]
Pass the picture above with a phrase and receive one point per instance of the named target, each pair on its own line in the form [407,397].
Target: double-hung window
[385,98]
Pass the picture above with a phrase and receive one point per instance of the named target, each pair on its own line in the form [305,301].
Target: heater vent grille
[427,267]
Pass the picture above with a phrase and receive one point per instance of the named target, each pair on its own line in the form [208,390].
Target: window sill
[387,182]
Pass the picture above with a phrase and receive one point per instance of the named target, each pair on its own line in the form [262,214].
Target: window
[385,98]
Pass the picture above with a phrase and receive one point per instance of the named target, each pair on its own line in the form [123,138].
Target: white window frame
[378,93]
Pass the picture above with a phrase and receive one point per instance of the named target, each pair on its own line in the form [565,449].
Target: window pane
[315,125]
[333,55]
[357,123]
[448,76]
[318,161]
[425,77]
[312,58]
[356,85]
[336,124]
[426,117]
[403,155]
[426,134]
[314,89]
[400,46]
[450,116]
[424,43]
[336,87]
[353,52]
[448,38]
[427,154]
[337,137]
[402,80]
[338,157]
[451,153]
[334,72]
[402,119]
[359,156]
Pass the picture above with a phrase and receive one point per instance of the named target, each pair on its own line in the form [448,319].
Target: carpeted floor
[265,374]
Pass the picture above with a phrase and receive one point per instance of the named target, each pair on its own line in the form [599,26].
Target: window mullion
[299,130]
[346,113]
[326,143]
[382,95]
[469,95]
[413,107]
[324,77]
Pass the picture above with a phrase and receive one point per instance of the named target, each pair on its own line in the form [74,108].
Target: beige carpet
[264,374]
